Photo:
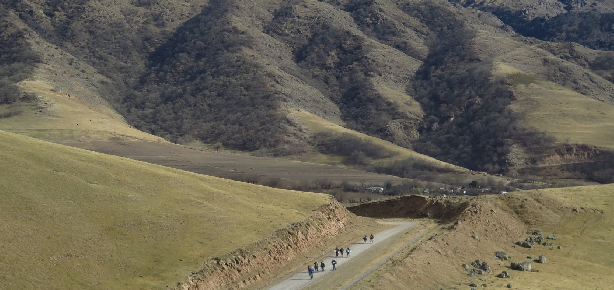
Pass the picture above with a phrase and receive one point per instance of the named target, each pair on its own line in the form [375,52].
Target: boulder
[502,255]
[542,259]
[524,266]
[503,274]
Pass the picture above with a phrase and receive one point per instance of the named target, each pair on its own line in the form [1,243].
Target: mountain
[498,86]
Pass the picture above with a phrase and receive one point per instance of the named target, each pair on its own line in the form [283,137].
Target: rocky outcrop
[245,266]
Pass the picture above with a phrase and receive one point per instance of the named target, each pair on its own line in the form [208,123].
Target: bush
[16,60]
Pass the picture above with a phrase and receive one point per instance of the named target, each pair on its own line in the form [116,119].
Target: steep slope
[72,218]
[231,73]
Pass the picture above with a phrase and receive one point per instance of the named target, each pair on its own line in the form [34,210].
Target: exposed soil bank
[412,206]
[270,256]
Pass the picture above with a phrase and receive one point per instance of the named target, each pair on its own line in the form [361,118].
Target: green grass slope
[75,219]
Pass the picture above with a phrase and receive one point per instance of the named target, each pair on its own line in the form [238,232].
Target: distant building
[375,188]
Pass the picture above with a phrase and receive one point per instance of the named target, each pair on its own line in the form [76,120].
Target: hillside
[576,218]
[461,89]
[77,219]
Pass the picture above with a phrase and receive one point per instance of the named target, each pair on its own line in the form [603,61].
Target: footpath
[301,278]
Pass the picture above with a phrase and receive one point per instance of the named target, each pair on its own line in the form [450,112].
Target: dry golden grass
[586,260]
[314,124]
[568,115]
[59,117]
[76,219]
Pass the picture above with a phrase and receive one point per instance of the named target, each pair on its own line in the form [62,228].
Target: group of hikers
[370,238]
[338,251]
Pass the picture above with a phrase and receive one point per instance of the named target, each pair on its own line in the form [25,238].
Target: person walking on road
[315,265]
[336,251]
[341,251]
[310,271]
[322,265]
[347,251]
[371,238]
[334,263]
[365,239]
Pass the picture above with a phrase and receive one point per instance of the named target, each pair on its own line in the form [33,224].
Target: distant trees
[199,86]
[467,119]
[335,61]
[16,60]
[591,28]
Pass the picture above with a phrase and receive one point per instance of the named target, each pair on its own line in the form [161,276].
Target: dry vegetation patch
[77,219]
[60,117]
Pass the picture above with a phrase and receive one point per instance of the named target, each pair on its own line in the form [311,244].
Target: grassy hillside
[58,116]
[313,124]
[587,240]
[579,218]
[76,219]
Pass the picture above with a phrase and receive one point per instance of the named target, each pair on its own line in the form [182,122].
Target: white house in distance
[375,188]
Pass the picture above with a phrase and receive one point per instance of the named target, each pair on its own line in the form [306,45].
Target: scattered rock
[473,235]
[479,268]
[509,285]
[503,274]
[472,284]
[538,233]
[481,265]
[559,247]
[529,257]
[542,259]
[551,237]
[502,255]
[524,266]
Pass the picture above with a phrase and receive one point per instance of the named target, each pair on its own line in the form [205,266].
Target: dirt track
[346,266]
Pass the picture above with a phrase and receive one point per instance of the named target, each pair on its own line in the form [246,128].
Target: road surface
[301,278]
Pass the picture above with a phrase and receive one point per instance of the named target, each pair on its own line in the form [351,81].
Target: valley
[208,144]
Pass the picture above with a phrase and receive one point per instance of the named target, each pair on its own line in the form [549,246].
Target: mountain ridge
[228,73]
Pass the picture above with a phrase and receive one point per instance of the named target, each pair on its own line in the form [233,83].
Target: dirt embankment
[571,154]
[581,162]
[412,206]
[270,256]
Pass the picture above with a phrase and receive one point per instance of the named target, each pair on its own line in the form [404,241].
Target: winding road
[301,279]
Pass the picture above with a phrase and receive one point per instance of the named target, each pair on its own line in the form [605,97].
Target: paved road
[301,279]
